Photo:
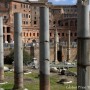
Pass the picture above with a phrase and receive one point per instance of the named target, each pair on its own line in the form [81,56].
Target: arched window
[71,34]
[37,34]
[66,23]
[75,22]
[71,23]
[30,34]
[60,23]
[54,22]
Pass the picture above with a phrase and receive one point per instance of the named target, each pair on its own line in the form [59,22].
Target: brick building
[61,17]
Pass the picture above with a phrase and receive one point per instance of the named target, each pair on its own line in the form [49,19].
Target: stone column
[1,51]
[68,46]
[83,62]
[44,49]
[18,52]
[55,46]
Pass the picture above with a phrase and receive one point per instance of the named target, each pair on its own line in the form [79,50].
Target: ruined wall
[64,51]
[36,53]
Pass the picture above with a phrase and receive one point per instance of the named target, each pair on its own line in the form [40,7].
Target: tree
[10,58]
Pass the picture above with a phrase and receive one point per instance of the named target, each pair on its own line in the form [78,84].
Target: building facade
[61,17]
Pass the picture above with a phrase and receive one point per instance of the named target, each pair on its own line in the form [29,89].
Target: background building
[61,17]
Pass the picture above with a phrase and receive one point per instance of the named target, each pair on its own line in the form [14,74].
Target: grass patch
[7,86]
[73,69]
[31,82]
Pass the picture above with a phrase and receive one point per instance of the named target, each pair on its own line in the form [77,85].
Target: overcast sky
[61,1]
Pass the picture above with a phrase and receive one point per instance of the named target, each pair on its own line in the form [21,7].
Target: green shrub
[10,58]
[26,57]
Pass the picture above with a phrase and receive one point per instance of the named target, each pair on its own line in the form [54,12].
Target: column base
[55,62]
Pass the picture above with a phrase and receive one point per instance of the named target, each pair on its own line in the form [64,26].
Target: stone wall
[73,51]
[36,53]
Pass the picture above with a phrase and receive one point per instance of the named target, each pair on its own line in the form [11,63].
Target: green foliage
[10,58]
[26,57]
